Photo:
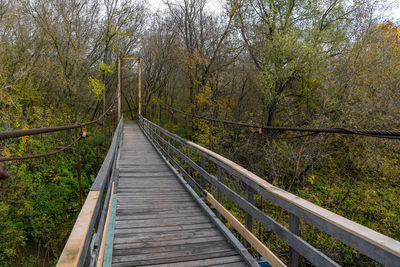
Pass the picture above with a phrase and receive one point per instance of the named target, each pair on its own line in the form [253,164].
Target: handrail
[381,248]
[77,249]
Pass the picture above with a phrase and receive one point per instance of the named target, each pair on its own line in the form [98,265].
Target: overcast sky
[216,6]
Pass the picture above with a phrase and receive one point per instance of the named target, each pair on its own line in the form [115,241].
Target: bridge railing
[83,244]
[179,151]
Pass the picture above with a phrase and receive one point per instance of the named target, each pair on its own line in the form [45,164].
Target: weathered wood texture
[157,221]
[248,235]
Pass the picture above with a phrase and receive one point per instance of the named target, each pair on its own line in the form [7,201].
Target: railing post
[219,176]
[210,135]
[203,166]
[181,155]
[168,146]
[294,228]
[219,193]
[190,157]
[249,218]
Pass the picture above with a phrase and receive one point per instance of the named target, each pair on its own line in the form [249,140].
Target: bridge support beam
[249,218]
[294,228]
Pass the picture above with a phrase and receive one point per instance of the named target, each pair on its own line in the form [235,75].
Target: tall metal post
[119,88]
[140,86]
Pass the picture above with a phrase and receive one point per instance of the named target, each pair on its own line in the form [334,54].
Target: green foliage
[292,64]
[40,200]
[106,69]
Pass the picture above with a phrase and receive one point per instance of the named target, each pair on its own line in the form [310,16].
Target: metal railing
[82,247]
[179,151]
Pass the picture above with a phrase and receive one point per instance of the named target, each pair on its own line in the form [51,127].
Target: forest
[297,63]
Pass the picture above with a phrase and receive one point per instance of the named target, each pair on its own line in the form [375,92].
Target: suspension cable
[371,133]
[19,133]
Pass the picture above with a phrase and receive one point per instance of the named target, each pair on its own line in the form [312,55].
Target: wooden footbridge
[157,200]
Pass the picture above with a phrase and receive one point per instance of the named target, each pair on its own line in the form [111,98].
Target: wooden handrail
[76,250]
[252,239]
[388,244]
[369,242]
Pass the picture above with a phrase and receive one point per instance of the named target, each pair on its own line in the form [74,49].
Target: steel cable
[371,133]
[19,133]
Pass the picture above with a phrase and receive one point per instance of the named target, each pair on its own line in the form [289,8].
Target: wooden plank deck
[157,221]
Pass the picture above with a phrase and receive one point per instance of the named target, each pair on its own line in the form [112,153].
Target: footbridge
[158,200]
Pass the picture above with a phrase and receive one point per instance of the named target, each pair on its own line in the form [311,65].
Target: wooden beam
[103,241]
[252,239]
[73,250]
[130,58]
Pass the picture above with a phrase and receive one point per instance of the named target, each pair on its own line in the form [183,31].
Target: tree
[289,41]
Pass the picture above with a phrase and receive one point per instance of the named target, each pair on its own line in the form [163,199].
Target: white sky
[216,6]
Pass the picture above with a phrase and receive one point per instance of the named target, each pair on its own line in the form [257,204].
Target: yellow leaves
[106,69]
[6,153]
[311,179]
[54,178]
[391,32]
[24,138]
[204,97]
[191,60]
[96,86]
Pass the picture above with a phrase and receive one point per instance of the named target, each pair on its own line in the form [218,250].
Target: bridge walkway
[158,222]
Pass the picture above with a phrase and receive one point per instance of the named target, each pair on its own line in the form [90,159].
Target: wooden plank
[252,239]
[198,247]
[154,223]
[152,196]
[147,174]
[153,209]
[74,247]
[103,241]
[157,205]
[169,257]
[129,201]
[165,220]
[144,169]
[158,243]
[145,190]
[156,183]
[157,215]
[160,198]
[148,237]
[150,202]
[233,261]
[156,212]
[164,228]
